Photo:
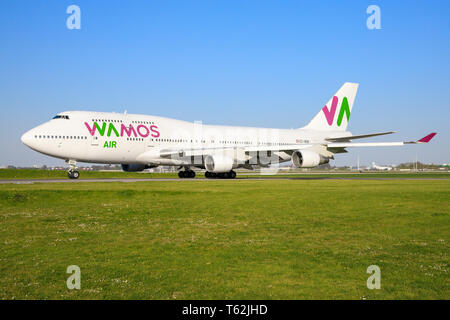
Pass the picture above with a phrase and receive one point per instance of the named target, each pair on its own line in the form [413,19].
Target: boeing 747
[138,142]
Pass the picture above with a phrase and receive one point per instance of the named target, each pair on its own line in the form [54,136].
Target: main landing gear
[221,175]
[73,173]
[186,174]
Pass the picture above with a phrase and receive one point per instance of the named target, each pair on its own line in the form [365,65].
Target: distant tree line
[420,165]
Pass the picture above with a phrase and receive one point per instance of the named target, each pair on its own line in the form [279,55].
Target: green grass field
[226,239]
[11,174]
[59,174]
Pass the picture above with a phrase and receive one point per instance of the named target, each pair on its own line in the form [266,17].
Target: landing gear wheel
[73,174]
[186,174]
[211,175]
[221,175]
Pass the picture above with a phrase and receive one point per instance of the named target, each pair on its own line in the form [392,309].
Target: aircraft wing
[283,148]
[190,152]
[348,138]
[247,149]
[293,147]
[289,149]
[425,139]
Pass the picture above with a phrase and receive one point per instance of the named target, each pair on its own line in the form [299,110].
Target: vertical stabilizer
[335,115]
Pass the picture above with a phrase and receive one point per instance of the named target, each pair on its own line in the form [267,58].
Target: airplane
[139,142]
[375,167]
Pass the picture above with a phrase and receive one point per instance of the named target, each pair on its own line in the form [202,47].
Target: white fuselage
[99,137]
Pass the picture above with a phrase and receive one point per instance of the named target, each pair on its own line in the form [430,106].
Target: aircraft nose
[27,138]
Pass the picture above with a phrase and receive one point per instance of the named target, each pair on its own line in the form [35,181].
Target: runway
[32,181]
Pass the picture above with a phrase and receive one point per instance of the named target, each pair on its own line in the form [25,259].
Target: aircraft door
[94,141]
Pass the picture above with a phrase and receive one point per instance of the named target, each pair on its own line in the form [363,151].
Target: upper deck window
[61,117]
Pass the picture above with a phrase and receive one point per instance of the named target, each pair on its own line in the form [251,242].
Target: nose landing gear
[73,173]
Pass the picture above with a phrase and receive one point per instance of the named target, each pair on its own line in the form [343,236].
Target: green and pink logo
[329,113]
[141,130]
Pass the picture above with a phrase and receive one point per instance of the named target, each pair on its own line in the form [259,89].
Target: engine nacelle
[218,163]
[134,167]
[308,159]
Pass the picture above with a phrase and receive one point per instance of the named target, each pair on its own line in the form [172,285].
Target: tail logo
[329,113]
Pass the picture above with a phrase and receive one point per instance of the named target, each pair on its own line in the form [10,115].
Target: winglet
[427,138]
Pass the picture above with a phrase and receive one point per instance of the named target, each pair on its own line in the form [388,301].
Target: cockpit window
[61,117]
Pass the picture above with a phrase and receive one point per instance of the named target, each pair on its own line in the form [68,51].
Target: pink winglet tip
[427,138]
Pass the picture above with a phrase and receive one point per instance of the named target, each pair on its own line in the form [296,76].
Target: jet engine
[134,167]
[308,159]
[218,163]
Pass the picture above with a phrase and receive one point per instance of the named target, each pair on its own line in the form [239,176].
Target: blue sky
[256,63]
